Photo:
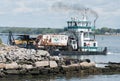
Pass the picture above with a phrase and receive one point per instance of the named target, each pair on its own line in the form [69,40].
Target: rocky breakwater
[15,60]
[21,61]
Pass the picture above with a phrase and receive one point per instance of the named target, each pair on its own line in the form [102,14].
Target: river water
[113,45]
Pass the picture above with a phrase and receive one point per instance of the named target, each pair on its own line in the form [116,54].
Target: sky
[41,13]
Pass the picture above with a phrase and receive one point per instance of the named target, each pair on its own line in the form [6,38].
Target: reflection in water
[63,78]
[37,78]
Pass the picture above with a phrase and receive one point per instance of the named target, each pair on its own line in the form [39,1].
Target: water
[4,39]
[113,55]
[111,42]
[115,77]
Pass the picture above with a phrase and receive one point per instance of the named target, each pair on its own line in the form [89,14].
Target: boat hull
[55,53]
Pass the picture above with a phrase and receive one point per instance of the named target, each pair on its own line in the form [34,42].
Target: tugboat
[81,31]
[83,34]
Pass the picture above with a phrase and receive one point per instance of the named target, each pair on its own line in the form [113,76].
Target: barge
[78,39]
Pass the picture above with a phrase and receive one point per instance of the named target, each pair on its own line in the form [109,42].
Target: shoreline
[108,35]
[63,71]
[6,34]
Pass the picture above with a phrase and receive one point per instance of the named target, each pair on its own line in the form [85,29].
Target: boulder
[2,65]
[86,64]
[54,58]
[26,66]
[42,53]
[53,64]
[12,65]
[41,63]
[2,52]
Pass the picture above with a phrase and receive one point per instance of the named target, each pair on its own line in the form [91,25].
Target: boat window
[74,42]
[75,24]
[69,24]
[94,44]
[84,44]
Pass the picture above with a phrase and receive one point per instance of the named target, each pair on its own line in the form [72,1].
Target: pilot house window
[94,44]
[84,44]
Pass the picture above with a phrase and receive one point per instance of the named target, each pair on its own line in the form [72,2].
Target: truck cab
[72,44]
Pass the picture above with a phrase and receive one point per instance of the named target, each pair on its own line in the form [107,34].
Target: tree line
[22,30]
[106,30]
[25,30]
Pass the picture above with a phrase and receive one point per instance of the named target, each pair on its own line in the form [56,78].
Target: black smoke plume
[76,8]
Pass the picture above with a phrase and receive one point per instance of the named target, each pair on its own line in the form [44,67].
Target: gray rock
[16,54]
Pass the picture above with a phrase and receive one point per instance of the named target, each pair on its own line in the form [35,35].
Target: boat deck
[77,53]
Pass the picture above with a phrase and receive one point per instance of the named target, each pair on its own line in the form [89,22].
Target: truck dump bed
[52,40]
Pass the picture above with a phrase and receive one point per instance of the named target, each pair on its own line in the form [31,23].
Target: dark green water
[115,77]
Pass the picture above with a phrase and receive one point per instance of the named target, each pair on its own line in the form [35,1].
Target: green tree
[104,30]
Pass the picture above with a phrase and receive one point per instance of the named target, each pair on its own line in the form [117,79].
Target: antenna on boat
[85,14]
[95,26]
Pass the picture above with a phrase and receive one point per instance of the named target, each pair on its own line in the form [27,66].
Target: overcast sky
[40,13]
